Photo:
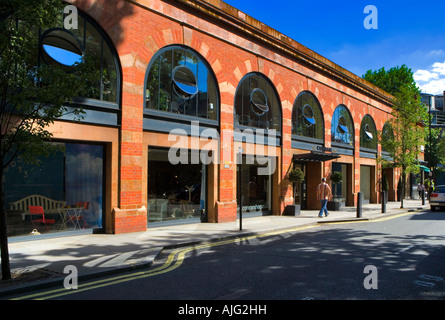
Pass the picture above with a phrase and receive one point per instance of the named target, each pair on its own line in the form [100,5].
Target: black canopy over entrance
[309,161]
[314,156]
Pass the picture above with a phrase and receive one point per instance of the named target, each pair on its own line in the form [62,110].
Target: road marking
[424,283]
[174,261]
[431,278]
[404,250]
[235,295]
[427,283]
[392,217]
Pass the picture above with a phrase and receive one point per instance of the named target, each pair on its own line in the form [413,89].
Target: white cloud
[433,87]
[439,68]
[431,81]
[435,53]
[425,75]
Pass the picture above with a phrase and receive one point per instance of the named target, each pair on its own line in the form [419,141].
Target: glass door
[301,191]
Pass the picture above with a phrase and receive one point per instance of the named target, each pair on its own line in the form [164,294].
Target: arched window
[387,135]
[342,127]
[307,117]
[180,84]
[368,134]
[257,104]
[67,48]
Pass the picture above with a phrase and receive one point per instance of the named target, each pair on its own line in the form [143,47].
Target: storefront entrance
[176,192]
[256,189]
[300,195]
[342,191]
[367,184]
[311,164]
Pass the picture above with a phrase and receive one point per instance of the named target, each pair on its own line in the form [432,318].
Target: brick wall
[231,42]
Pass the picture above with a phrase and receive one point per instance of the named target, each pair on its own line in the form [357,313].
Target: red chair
[37,211]
[79,219]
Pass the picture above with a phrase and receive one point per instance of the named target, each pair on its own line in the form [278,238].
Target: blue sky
[409,32]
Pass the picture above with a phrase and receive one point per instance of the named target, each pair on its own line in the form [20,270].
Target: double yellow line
[174,261]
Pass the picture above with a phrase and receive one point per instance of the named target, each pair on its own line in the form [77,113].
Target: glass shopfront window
[178,81]
[175,191]
[256,189]
[67,48]
[387,135]
[368,134]
[257,104]
[68,185]
[339,191]
[307,117]
[342,129]
[88,43]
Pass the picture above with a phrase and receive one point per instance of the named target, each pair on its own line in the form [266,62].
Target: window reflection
[175,192]
[307,118]
[180,82]
[67,48]
[342,129]
[71,176]
[368,133]
[62,48]
[387,134]
[256,190]
[257,104]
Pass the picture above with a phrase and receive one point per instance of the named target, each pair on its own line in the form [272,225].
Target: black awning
[315,157]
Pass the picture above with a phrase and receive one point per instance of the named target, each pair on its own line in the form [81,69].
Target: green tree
[296,176]
[435,149]
[33,94]
[441,147]
[408,120]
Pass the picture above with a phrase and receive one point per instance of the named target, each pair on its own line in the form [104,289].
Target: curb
[148,261]
[57,281]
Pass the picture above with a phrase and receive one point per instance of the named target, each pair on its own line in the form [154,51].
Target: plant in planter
[336,178]
[296,176]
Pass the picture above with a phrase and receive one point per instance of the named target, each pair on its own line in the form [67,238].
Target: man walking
[323,194]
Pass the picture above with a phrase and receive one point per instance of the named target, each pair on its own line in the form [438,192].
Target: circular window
[342,125]
[61,47]
[258,102]
[184,82]
[308,115]
[368,133]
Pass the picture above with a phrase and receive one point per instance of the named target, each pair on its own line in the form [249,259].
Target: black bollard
[383,201]
[359,205]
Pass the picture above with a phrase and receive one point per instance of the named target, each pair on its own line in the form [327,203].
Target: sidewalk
[41,262]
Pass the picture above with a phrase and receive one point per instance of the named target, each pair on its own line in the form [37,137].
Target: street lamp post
[240,162]
[430,160]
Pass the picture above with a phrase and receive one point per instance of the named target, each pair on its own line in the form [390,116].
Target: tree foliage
[408,120]
[33,94]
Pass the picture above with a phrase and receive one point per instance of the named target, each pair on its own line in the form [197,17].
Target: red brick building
[220,81]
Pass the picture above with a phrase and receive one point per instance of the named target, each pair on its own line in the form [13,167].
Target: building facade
[200,108]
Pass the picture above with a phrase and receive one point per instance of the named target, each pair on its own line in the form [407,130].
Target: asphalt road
[395,259]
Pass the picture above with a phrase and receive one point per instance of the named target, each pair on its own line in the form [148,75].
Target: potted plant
[336,178]
[296,176]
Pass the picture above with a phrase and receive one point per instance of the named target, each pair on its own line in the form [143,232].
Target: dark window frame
[295,113]
[92,106]
[365,141]
[340,144]
[168,116]
[269,88]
